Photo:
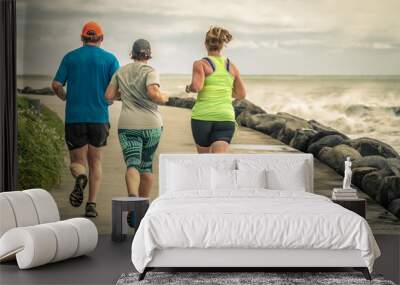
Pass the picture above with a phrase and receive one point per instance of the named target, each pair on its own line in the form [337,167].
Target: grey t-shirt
[138,111]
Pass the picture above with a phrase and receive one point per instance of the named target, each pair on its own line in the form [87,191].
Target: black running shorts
[78,135]
[207,132]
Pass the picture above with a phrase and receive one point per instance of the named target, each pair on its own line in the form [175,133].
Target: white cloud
[382,46]
[305,27]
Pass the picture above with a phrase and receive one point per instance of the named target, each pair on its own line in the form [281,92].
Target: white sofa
[31,230]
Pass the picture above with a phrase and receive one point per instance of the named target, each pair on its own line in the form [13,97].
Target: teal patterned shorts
[139,146]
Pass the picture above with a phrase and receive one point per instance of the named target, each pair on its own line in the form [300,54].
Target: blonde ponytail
[216,38]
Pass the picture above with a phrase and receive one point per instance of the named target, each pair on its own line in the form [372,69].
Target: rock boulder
[270,125]
[372,183]
[371,161]
[368,146]
[187,103]
[390,190]
[247,119]
[302,138]
[292,124]
[242,105]
[40,91]
[322,134]
[324,153]
[336,156]
[394,165]
[359,173]
[396,110]
[394,207]
[331,141]
[320,128]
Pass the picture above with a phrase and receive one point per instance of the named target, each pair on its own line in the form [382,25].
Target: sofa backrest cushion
[26,208]
[46,207]
[7,218]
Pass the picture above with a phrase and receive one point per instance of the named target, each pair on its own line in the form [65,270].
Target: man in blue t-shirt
[87,72]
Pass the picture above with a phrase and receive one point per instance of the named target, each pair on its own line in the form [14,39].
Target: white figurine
[347,174]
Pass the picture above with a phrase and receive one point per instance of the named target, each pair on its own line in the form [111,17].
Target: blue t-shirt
[87,72]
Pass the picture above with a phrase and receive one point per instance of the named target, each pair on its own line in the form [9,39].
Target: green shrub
[40,147]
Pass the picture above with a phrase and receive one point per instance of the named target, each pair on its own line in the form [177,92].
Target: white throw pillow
[184,177]
[251,178]
[223,179]
[294,180]
[282,174]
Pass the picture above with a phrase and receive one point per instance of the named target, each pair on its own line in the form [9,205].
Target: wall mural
[320,79]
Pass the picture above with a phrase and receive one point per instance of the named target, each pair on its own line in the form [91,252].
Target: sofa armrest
[33,246]
[40,244]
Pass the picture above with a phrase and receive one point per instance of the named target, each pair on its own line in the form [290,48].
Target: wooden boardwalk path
[177,139]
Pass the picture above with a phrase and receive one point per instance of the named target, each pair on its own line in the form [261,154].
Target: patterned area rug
[243,278]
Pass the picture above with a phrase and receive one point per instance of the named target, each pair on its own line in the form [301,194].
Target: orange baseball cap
[91,29]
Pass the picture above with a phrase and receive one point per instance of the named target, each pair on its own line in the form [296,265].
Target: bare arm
[112,93]
[239,92]
[156,95]
[58,88]
[198,76]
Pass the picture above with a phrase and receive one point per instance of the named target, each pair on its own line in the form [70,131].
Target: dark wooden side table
[358,206]
[121,206]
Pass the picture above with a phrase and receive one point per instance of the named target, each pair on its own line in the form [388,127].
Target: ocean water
[359,106]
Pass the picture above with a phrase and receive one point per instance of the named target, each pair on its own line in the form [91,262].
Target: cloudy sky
[270,36]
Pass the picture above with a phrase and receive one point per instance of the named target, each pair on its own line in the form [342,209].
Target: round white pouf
[87,233]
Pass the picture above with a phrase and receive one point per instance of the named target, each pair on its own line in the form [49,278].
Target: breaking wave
[357,106]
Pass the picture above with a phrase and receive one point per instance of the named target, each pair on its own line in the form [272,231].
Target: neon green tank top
[214,101]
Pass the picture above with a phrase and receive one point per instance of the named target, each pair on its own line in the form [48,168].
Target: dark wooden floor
[103,266]
[106,264]
[389,262]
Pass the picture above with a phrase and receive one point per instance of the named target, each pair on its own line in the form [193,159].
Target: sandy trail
[177,138]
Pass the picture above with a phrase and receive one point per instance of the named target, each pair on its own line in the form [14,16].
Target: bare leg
[132,179]
[146,182]
[78,161]
[95,172]
[202,149]
[219,147]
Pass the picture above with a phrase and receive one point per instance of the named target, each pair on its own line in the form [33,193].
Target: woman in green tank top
[217,81]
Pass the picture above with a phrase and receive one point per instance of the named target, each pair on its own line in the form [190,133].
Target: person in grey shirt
[137,85]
